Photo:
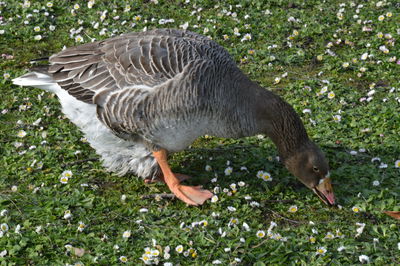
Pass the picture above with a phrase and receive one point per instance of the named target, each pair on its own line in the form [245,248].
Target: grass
[314,41]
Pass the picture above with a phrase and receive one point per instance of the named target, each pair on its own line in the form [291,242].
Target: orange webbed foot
[190,195]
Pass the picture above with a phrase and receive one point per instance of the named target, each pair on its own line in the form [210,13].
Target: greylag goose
[138,96]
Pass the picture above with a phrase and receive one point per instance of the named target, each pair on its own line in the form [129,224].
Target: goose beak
[324,191]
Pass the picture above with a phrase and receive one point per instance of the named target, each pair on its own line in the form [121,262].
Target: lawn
[336,62]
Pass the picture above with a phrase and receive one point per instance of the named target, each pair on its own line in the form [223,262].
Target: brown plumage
[160,90]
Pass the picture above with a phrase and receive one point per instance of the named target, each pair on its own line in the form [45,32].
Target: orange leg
[191,195]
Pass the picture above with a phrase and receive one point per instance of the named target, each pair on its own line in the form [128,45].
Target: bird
[141,96]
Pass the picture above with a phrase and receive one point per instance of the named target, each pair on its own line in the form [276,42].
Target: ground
[336,62]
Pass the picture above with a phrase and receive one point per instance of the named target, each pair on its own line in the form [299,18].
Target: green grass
[37,205]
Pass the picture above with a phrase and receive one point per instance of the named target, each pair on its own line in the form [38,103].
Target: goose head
[309,165]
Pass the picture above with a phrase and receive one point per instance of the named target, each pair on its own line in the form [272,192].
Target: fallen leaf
[394,214]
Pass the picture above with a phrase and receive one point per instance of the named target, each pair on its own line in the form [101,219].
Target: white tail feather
[37,80]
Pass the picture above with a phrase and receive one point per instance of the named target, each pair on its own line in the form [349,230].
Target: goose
[139,96]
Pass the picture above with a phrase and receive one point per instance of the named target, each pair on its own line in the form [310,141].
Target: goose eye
[315,169]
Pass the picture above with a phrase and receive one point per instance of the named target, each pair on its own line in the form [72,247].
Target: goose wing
[92,71]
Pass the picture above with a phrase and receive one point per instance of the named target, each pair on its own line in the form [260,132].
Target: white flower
[38,229]
[292,209]
[232,209]
[364,56]
[397,164]
[260,234]
[36,29]
[216,262]
[143,210]
[246,227]
[14,188]
[266,177]
[254,204]
[123,259]
[184,26]
[21,133]
[341,248]
[356,209]
[214,199]
[64,180]
[3,253]
[329,235]
[179,249]
[67,214]
[3,212]
[81,226]
[228,170]
[67,173]
[376,183]
[337,118]
[4,227]
[208,168]
[363,258]
[76,6]
[126,234]
[38,37]
[246,37]
[331,95]
[78,38]
[321,251]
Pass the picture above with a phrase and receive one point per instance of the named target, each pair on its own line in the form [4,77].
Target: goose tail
[38,78]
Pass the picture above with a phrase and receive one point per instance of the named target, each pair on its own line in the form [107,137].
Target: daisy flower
[397,164]
[331,95]
[76,6]
[81,226]
[64,180]
[4,227]
[341,248]
[233,221]
[376,183]
[67,214]
[312,239]
[78,38]
[345,65]
[266,177]
[208,168]
[355,209]
[321,251]
[260,234]
[228,170]
[337,118]
[214,199]
[364,56]
[179,249]
[21,133]
[123,259]
[381,18]
[363,258]
[329,235]
[246,37]
[36,29]
[292,209]
[126,234]
[146,259]
[67,173]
